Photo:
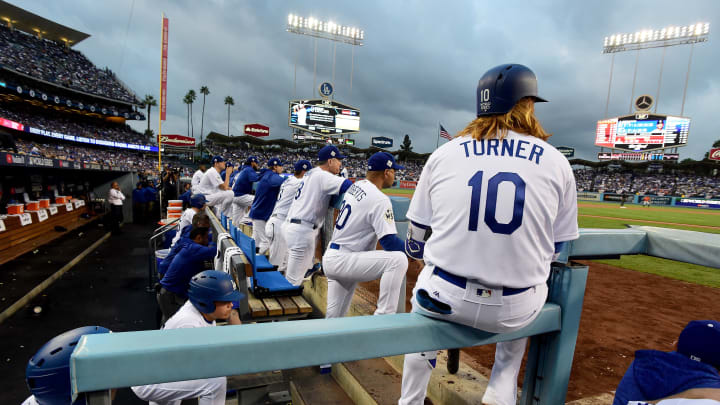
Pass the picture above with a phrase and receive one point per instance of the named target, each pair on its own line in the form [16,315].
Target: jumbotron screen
[642,132]
[324,117]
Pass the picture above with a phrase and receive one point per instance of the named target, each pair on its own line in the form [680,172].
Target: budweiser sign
[714,154]
[178,141]
[257,130]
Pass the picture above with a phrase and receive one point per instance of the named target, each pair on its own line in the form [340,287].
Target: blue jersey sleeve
[345,185]
[392,243]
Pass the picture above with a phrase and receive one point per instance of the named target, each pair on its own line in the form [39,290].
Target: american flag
[444,133]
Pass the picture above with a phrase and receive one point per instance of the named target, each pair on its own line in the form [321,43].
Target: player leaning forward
[307,213]
[216,189]
[491,208]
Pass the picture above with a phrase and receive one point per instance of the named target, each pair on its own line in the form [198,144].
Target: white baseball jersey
[30,401]
[344,173]
[210,182]
[496,207]
[286,195]
[187,317]
[185,220]
[313,196]
[366,215]
[196,179]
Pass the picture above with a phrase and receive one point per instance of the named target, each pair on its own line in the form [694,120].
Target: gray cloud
[419,66]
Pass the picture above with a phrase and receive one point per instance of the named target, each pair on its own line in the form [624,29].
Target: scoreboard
[324,117]
[642,132]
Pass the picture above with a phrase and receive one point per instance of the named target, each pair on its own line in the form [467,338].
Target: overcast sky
[419,65]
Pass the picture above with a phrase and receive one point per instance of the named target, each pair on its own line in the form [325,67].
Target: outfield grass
[674,217]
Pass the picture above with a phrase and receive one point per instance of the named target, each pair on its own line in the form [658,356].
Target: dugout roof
[31,23]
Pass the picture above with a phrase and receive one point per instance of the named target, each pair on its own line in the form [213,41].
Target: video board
[324,117]
[638,156]
[642,132]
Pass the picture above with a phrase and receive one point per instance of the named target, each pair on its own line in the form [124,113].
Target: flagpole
[437,143]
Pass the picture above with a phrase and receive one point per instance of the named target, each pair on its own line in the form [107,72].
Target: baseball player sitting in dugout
[212,295]
[188,262]
[490,210]
[691,372]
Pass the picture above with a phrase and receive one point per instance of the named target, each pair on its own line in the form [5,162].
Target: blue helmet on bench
[48,371]
[198,200]
[210,286]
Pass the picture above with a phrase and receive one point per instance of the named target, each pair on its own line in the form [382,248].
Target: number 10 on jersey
[491,202]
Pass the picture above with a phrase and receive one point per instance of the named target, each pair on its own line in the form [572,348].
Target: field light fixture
[325,29]
[668,36]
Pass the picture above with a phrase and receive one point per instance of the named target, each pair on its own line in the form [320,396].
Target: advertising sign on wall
[257,130]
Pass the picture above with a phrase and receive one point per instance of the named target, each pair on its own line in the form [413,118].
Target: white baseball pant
[209,391]
[221,200]
[300,240]
[344,270]
[278,246]
[258,233]
[499,314]
[240,208]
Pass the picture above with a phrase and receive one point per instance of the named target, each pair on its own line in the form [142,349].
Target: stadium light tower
[325,30]
[646,39]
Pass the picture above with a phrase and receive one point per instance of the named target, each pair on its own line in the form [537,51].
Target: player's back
[496,207]
[313,196]
[365,216]
[286,195]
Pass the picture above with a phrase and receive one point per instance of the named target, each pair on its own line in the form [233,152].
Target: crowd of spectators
[648,183]
[73,125]
[356,165]
[57,63]
[102,156]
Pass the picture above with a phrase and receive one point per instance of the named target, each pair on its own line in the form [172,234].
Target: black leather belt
[462,282]
[300,222]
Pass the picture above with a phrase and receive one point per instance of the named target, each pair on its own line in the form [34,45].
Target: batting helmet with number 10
[501,87]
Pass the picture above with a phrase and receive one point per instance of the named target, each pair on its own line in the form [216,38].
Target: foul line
[45,284]
[652,222]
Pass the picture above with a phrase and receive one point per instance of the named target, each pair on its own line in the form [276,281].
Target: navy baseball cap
[382,161]
[329,152]
[217,159]
[274,162]
[198,200]
[251,159]
[700,341]
[303,165]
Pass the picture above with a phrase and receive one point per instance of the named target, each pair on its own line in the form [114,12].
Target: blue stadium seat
[264,283]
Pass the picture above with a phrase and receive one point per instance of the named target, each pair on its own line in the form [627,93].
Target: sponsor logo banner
[588,196]
[617,197]
[257,130]
[714,154]
[178,141]
[382,142]
[408,184]
[699,202]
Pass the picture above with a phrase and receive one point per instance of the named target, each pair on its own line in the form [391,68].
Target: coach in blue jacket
[265,198]
[189,261]
[139,205]
[243,190]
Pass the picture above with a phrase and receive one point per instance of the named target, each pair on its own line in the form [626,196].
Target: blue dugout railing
[106,361]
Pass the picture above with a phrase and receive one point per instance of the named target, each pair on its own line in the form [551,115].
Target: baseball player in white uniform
[273,229]
[197,204]
[210,297]
[197,177]
[366,217]
[307,213]
[491,209]
[216,189]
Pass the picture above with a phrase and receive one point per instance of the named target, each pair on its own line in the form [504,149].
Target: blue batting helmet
[198,200]
[48,371]
[210,286]
[501,87]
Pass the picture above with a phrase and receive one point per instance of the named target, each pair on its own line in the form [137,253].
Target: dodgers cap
[382,161]
[329,152]
[303,165]
[700,341]
[217,159]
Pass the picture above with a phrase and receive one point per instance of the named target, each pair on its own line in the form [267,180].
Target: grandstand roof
[26,21]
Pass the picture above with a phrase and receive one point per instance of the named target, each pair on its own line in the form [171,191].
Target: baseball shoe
[326,369]
[317,268]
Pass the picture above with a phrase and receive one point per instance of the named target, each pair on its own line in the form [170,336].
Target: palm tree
[229,101]
[187,102]
[149,101]
[191,96]
[204,91]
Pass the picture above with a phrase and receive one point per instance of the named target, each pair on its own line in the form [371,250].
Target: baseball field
[632,303]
